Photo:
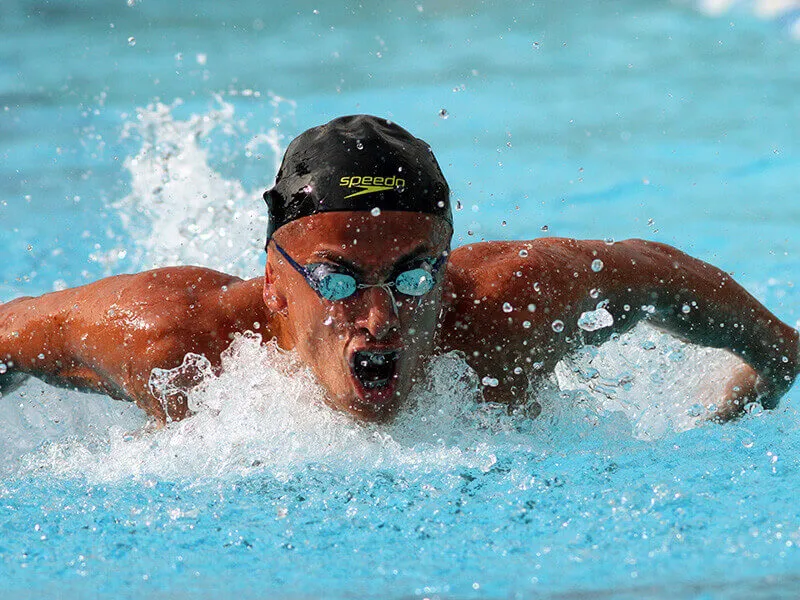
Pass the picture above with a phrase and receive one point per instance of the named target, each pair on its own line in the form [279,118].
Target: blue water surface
[586,119]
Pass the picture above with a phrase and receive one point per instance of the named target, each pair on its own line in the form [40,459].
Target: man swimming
[362,284]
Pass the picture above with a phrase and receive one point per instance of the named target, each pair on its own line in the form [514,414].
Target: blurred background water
[142,133]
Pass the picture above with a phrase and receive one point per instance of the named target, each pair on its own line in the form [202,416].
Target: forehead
[364,237]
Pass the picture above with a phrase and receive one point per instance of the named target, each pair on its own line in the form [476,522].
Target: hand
[746,386]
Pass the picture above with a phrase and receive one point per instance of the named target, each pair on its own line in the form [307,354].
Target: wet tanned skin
[325,334]
[109,335]
[556,277]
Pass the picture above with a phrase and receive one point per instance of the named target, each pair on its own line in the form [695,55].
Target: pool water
[137,134]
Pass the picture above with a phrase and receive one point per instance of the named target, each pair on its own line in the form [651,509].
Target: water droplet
[648,345]
[523,253]
[558,326]
[517,370]
[507,308]
[753,408]
[3,368]
[597,265]
[328,321]
[595,319]
[359,144]
[686,309]
[545,228]
[443,113]
[526,324]
[536,286]
[375,212]
[531,307]
[41,356]
[459,206]
[490,381]
[609,241]
[695,410]
[131,41]
[594,293]
[503,224]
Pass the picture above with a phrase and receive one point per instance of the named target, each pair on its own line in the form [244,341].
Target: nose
[379,315]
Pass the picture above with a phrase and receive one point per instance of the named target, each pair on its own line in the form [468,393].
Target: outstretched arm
[513,303]
[108,336]
[702,304]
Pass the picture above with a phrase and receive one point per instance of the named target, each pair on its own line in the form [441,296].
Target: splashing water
[180,210]
[266,412]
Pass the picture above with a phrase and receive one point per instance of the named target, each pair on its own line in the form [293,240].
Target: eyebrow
[337,258]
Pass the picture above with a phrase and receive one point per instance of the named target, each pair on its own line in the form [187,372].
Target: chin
[377,406]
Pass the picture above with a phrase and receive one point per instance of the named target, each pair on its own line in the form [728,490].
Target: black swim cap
[358,163]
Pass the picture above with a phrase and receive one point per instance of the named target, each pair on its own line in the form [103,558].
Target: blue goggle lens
[416,282]
[336,286]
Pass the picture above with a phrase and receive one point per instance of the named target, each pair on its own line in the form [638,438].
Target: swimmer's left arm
[704,305]
[513,305]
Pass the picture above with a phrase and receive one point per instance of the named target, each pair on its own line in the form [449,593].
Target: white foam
[658,382]
[266,412]
[180,209]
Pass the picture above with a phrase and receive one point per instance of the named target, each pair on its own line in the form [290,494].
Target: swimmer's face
[366,353]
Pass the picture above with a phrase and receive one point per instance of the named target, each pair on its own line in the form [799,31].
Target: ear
[273,298]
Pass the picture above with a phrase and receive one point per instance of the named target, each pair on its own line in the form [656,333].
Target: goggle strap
[297,267]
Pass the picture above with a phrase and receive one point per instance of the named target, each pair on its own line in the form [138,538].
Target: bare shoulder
[164,311]
[489,267]
[107,336]
[550,249]
[501,291]
[190,299]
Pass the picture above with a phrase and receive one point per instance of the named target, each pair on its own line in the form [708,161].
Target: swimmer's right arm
[107,336]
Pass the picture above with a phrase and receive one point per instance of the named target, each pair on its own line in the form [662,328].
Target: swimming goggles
[334,282]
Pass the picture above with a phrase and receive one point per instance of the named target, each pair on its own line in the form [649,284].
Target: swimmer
[362,284]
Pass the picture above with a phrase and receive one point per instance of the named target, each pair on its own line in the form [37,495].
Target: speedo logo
[369,185]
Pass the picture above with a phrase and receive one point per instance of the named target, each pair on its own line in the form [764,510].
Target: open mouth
[374,369]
